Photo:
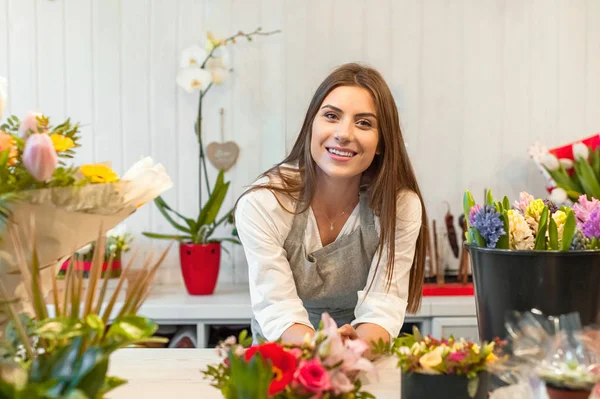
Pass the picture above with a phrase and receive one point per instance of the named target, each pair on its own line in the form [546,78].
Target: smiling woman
[339,225]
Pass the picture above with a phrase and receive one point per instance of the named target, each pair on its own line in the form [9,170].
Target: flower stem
[201,160]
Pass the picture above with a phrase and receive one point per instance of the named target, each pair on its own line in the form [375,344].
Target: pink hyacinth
[39,157]
[472,212]
[583,209]
[524,200]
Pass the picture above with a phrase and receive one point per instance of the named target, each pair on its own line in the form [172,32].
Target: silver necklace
[331,223]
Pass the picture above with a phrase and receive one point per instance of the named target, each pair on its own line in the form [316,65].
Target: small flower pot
[200,265]
[564,393]
[553,282]
[430,386]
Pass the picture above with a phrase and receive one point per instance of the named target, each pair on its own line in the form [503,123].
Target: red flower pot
[200,267]
[557,393]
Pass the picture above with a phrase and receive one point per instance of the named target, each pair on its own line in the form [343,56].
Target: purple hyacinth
[591,228]
[489,224]
[472,212]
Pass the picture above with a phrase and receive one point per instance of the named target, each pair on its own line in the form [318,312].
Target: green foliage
[200,230]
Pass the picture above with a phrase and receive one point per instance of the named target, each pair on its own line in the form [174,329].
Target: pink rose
[39,156]
[312,376]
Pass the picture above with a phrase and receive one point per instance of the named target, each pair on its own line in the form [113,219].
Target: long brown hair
[389,173]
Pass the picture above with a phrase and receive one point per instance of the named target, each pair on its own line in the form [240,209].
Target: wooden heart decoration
[222,155]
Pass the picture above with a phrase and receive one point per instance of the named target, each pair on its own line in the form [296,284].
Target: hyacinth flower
[490,225]
[524,200]
[583,209]
[520,234]
[591,229]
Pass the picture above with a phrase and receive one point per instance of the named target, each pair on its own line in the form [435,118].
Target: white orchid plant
[201,67]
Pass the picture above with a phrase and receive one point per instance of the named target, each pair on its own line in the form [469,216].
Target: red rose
[283,363]
[313,376]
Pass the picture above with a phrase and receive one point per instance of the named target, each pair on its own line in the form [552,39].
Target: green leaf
[499,207]
[468,203]
[503,241]
[568,230]
[128,330]
[540,239]
[588,178]
[489,198]
[92,373]
[473,386]
[111,383]
[60,328]
[553,235]
[506,203]
[213,205]
[168,236]
[76,394]
[96,324]
[162,208]
[476,236]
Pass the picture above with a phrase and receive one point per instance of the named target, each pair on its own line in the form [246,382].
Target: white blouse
[263,226]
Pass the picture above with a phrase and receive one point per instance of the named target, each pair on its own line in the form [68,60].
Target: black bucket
[428,386]
[553,282]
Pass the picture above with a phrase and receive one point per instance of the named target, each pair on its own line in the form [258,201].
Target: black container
[553,282]
[427,386]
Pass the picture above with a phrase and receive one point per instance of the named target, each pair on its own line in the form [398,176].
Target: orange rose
[8,143]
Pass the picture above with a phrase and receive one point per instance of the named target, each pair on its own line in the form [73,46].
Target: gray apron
[328,280]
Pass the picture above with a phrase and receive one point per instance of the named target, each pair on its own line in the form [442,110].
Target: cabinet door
[459,327]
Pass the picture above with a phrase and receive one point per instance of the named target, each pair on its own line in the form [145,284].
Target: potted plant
[118,242]
[445,368]
[67,354]
[533,255]
[199,251]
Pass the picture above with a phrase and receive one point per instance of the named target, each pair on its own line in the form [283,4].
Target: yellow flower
[520,235]
[99,173]
[7,143]
[559,218]
[534,209]
[491,358]
[431,359]
[61,143]
[475,349]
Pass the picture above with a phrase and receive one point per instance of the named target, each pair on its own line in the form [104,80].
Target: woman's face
[345,133]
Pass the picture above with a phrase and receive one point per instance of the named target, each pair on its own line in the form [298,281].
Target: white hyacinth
[520,234]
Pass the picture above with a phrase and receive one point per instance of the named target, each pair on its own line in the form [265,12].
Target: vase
[552,282]
[565,393]
[200,265]
[435,386]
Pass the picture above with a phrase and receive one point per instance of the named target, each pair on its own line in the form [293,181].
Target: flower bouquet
[570,170]
[69,203]
[448,368]
[66,355]
[533,254]
[322,367]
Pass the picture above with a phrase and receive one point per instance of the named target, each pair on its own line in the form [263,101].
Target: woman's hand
[347,332]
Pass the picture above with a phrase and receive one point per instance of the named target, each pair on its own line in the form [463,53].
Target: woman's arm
[263,227]
[380,313]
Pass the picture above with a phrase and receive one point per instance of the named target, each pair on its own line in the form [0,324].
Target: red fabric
[450,289]
[566,151]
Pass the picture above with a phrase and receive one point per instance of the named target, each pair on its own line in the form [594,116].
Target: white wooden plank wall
[476,82]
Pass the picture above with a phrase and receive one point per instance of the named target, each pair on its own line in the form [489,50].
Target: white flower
[404,350]
[192,56]
[566,163]
[550,162]
[3,95]
[558,196]
[192,79]
[580,150]
[147,181]
[218,64]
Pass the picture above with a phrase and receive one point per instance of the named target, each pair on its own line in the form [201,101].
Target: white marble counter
[169,373]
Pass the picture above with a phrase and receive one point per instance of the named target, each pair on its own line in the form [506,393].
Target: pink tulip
[39,156]
[29,123]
